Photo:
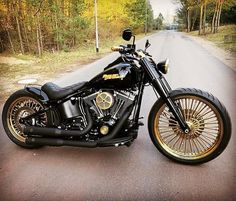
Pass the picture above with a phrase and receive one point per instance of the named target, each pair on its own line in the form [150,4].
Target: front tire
[207,118]
[19,105]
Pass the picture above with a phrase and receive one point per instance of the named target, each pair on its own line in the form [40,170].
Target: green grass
[220,38]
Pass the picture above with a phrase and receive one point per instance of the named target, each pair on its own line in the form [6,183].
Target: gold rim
[20,108]
[206,129]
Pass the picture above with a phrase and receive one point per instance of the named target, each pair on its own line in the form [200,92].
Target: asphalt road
[139,172]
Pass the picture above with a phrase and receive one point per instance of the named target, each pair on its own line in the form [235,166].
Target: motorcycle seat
[55,92]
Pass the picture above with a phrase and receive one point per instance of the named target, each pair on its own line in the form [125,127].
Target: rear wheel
[19,105]
[207,118]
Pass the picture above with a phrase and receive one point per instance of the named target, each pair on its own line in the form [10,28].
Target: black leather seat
[55,92]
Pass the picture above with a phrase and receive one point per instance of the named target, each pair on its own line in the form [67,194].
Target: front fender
[38,93]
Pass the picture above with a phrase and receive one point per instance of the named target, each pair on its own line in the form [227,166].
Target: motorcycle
[189,126]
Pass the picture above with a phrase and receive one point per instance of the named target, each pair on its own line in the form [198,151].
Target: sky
[166,7]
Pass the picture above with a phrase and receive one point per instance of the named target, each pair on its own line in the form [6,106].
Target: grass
[225,38]
[50,65]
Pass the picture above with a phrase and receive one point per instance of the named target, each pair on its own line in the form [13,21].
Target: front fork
[163,89]
[164,92]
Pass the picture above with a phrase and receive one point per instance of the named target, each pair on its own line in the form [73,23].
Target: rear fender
[38,93]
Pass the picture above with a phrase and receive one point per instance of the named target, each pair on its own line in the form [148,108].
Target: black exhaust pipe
[59,142]
[55,132]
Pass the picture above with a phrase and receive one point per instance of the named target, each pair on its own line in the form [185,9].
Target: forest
[36,26]
[205,15]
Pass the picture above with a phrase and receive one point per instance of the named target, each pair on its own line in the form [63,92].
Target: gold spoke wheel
[20,108]
[205,126]
[208,120]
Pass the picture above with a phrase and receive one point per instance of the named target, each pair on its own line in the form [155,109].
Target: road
[139,172]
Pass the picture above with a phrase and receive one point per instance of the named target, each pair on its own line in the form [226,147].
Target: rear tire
[207,118]
[18,105]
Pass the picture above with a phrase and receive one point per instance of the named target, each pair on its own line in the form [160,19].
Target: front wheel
[207,118]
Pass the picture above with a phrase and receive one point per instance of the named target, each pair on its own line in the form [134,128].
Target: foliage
[36,26]
[158,22]
[138,12]
[204,14]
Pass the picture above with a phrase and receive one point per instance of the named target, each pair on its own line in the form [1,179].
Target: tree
[187,13]
[139,11]
[158,22]
[194,13]
[228,15]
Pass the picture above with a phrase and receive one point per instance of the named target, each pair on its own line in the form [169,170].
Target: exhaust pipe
[59,142]
[55,132]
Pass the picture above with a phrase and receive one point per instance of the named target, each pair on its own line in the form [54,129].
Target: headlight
[163,66]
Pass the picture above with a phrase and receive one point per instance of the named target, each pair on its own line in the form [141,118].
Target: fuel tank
[116,76]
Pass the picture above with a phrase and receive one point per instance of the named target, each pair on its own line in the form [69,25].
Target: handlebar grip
[117,48]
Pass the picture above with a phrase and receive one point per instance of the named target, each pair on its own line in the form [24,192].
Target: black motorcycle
[186,125]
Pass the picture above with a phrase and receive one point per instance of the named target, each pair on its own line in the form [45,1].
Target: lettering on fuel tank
[112,76]
[121,75]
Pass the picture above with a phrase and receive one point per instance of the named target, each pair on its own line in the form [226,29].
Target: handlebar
[123,49]
[129,52]
[117,48]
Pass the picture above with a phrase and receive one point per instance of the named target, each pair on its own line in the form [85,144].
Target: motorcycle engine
[108,106]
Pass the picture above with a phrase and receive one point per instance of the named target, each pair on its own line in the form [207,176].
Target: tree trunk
[38,42]
[218,23]
[200,21]
[19,35]
[217,17]
[57,34]
[10,41]
[17,14]
[188,19]
[213,19]
[204,17]
[38,36]
[26,36]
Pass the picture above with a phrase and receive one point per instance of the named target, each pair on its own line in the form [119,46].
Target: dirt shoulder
[224,56]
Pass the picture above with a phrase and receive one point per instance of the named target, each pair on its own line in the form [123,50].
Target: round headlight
[163,66]
[167,66]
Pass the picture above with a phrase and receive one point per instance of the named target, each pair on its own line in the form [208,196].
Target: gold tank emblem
[111,76]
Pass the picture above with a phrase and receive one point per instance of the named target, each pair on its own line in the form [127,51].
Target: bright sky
[166,7]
